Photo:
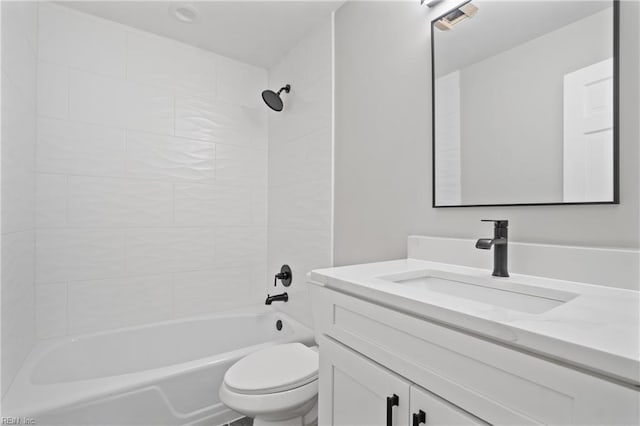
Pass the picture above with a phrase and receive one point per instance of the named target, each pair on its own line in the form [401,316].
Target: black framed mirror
[525,103]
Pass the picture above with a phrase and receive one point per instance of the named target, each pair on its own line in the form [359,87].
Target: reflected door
[588,134]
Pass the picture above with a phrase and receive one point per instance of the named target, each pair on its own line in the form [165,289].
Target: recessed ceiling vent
[185,13]
[456,16]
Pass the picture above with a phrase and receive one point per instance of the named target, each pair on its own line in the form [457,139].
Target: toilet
[277,385]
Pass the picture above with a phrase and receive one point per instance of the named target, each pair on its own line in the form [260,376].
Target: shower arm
[286,89]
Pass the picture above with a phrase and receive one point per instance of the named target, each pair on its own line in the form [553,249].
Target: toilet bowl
[276,386]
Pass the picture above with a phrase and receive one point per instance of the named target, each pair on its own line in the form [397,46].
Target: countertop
[598,330]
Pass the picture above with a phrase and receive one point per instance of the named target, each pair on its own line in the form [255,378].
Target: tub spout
[283,297]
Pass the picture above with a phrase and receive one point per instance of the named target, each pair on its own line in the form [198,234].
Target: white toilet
[276,386]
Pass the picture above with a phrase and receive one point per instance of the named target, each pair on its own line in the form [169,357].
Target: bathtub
[159,374]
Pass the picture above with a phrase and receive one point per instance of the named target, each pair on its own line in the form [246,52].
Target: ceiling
[254,32]
[502,25]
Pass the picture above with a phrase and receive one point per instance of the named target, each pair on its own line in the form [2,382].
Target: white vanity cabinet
[355,390]
[370,352]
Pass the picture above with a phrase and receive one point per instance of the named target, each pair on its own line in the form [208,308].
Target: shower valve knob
[285,275]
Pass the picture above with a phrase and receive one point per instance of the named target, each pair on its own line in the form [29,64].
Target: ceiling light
[184,12]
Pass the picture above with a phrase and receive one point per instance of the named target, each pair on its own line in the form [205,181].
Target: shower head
[273,100]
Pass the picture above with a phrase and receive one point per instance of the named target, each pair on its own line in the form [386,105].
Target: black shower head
[273,100]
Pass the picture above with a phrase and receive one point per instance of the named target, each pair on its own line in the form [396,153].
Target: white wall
[383,144]
[300,167]
[151,177]
[19,50]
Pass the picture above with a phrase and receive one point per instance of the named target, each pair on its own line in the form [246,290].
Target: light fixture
[431,3]
[456,16]
[184,12]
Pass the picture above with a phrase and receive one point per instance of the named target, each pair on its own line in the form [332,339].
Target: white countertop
[599,330]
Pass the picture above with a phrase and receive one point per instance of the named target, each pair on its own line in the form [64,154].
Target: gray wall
[512,119]
[383,144]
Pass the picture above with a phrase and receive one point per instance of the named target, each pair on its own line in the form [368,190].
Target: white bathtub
[160,374]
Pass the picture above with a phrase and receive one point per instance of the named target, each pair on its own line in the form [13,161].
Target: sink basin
[506,293]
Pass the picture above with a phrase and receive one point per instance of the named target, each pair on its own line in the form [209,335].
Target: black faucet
[282,297]
[500,250]
[286,276]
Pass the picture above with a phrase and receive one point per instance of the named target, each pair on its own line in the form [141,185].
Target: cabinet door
[356,391]
[431,410]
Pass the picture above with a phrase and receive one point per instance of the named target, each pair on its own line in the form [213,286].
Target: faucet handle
[500,223]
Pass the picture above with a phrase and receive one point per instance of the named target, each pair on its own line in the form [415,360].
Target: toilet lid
[274,369]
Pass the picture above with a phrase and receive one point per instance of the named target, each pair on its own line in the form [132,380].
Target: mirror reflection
[524,103]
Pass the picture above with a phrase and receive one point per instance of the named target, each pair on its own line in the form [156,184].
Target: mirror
[525,103]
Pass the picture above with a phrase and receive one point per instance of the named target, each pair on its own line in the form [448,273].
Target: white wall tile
[303,250]
[152,250]
[300,167]
[18,195]
[77,148]
[150,59]
[18,144]
[212,205]
[19,105]
[18,259]
[51,310]
[53,27]
[96,45]
[308,111]
[18,318]
[209,291]
[239,246]
[195,71]
[18,54]
[99,202]
[259,205]
[159,61]
[78,254]
[53,90]
[51,200]
[81,41]
[105,304]
[201,118]
[169,158]
[309,61]
[144,170]
[21,21]
[148,108]
[305,159]
[238,165]
[240,84]
[301,205]
[96,99]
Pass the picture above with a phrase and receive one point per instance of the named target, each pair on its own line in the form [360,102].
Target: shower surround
[151,169]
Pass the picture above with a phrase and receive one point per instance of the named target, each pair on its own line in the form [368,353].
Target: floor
[245,421]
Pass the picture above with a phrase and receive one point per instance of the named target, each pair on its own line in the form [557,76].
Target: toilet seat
[279,368]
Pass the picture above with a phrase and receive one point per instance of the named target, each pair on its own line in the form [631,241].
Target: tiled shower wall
[151,168]
[300,167]
[19,50]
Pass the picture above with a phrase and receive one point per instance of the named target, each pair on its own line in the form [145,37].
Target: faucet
[499,243]
[286,276]
[282,297]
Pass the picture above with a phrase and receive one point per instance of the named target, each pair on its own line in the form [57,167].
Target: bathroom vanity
[415,342]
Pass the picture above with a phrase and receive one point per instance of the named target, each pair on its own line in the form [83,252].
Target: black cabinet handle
[419,417]
[392,401]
